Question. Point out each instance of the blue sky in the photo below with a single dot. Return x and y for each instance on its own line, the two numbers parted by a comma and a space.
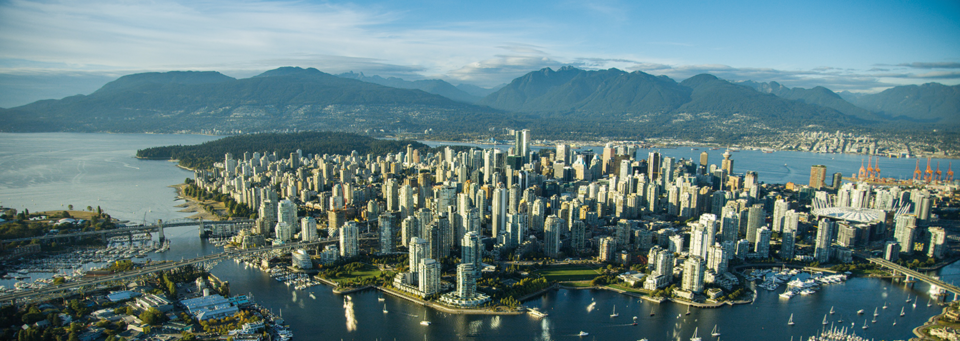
51, 48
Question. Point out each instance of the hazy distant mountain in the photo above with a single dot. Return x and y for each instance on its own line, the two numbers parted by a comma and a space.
572, 89
851, 97
817, 95
478, 91
283, 98
931, 102
433, 86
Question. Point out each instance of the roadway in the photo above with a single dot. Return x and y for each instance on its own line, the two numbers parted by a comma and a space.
915, 274
138, 228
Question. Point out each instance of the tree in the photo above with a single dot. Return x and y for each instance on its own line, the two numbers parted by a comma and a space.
152, 316
70, 207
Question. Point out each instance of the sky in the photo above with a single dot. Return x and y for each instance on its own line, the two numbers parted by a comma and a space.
58, 48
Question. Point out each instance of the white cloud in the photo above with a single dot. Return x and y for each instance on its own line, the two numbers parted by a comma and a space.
245, 37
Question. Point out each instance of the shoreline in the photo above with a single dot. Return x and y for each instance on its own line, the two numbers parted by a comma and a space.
191, 205
659, 300
692, 144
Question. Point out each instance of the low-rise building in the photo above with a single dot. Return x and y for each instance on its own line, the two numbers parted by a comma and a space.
209, 307
148, 301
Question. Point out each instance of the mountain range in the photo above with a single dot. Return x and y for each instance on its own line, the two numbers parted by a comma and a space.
463, 92
568, 102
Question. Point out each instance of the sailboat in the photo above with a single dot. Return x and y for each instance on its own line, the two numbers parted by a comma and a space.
614, 314
865, 326
688, 310
908, 298
875, 313
901, 312
651, 311
790, 322
914, 304
928, 302
715, 332
380, 299
831, 310
695, 337
824, 320
884, 304
384, 308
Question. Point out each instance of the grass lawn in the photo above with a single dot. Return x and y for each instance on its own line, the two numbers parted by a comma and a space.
579, 284
367, 271
627, 288
569, 273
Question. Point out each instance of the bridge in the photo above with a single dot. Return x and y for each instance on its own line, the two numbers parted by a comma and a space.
137, 229
52, 291
915, 275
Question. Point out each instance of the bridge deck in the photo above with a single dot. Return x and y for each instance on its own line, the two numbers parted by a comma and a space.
915, 274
